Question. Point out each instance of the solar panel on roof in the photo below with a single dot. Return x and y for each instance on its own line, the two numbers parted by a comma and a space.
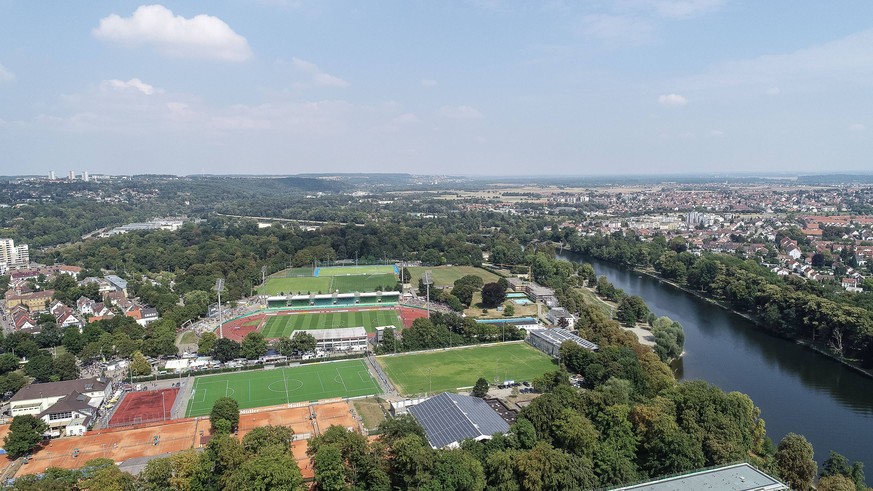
448, 418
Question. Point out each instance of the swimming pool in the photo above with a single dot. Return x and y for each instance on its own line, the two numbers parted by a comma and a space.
521, 301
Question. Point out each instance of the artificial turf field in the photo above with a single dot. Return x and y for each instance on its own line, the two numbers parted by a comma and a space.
329, 283
279, 326
293, 286
451, 369
355, 270
283, 385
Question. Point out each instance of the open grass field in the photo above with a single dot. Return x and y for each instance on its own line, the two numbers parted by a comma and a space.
364, 283
355, 270
369, 282
283, 385
303, 285
293, 273
446, 275
279, 326
438, 371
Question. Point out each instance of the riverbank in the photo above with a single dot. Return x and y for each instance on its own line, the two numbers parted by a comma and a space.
812, 347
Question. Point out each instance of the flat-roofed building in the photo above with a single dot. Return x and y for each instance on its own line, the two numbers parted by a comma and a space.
735, 477
341, 339
549, 341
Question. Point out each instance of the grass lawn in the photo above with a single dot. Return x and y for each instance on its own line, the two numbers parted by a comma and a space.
475, 309
370, 411
283, 325
446, 275
356, 270
591, 298
451, 369
293, 272
275, 286
283, 385
365, 283
189, 337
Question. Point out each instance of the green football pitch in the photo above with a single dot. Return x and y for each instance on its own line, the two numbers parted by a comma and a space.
293, 286
329, 283
355, 270
279, 326
283, 385
437, 371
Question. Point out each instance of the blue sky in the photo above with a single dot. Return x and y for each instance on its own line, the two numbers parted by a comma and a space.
456, 87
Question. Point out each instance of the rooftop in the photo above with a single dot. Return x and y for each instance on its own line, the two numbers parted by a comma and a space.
343, 332
735, 477
55, 389
449, 418
558, 336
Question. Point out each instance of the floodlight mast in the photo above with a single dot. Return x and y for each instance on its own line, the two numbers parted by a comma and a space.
427, 280
219, 286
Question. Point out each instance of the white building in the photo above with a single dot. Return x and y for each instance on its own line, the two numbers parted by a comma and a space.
549, 341
343, 339
68, 407
12, 256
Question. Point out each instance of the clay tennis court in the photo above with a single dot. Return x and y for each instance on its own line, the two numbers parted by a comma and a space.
296, 418
117, 444
121, 444
337, 413
144, 407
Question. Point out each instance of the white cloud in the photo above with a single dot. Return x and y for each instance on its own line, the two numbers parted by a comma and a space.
672, 100
716, 133
459, 112
5, 75
132, 84
429, 82
201, 36
617, 29
319, 77
857, 127
683, 9
847, 61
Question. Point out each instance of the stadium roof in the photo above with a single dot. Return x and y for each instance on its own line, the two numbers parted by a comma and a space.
558, 335
735, 477
449, 418
339, 333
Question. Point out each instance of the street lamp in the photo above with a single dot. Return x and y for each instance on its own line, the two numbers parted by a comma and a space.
427, 280
219, 286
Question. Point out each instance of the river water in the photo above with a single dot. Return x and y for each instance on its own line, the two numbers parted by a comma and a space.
798, 390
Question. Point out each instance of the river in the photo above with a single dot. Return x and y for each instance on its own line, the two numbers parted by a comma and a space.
798, 390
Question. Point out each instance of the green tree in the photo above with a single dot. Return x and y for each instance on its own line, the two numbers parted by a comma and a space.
139, 365
225, 408
480, 390
64, 366
837, 482
8, 363
303, 342
270, 470
330, 472
206, 343
39, 366
25, 433
493, 295
226, 350
263, 437
253, 346
794, 462
509, 311
631, 309
104, 475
